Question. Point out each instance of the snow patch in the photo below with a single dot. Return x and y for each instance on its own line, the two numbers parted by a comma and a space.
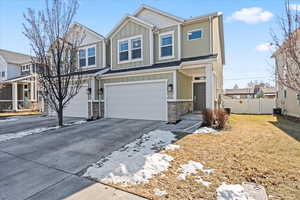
9, 120
172, 147
190, 168
76, 123
201, 181
10, 136
159, 192
232, 192
205, 130
136, 162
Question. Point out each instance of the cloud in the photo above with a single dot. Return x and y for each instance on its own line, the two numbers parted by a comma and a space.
251, 15
294, 7
265, 47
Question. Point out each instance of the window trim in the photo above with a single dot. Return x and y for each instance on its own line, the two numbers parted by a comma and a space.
129, 39
87, 56
199, 29
26, 68
159, 45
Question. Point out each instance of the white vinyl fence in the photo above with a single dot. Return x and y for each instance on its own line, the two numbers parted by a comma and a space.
250, 106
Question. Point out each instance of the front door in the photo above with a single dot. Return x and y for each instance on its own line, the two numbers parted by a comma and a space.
199, 96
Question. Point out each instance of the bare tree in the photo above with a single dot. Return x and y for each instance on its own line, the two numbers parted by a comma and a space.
55, 43
287, 43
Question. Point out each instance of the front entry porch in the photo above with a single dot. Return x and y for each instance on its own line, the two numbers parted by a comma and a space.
19, 94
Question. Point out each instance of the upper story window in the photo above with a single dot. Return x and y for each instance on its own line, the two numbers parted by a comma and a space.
166, 41
3, 74
130, 49
25, 68
195, 34
87, 57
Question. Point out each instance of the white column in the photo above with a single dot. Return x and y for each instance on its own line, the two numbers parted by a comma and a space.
31, 90
15, 96
209, 87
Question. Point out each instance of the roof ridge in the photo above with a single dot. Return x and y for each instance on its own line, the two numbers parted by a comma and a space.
9, 51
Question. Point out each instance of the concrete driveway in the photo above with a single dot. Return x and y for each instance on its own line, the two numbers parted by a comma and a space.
49, 165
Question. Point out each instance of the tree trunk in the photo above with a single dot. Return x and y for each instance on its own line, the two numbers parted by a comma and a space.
60, 115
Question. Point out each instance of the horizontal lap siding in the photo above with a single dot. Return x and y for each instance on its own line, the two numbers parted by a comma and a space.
166, 76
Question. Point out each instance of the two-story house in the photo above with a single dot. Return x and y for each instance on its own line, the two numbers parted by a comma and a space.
152, 65
18, 80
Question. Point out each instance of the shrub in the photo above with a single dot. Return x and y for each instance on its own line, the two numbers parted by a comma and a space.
208, 117
215, 118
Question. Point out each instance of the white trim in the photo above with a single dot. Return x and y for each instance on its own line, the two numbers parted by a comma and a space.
139, 73
129, 40
198, 29
165, 81
163, 13
85, 48
123, 22
179, 41
159, 45
151, 43
175, 85
210, 35
103, 54
193, 64
111, 53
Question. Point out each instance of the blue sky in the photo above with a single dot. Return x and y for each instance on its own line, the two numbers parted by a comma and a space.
247, 25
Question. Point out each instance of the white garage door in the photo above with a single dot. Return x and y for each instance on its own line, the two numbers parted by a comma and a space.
78, 105
136, 100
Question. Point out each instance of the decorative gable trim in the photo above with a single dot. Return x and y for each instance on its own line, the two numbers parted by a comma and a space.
163, 13
124, 21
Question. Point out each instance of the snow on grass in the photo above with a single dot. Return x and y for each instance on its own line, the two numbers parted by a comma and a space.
201, 181
9, 136
136, 162
172, 147
8, 120
206, 130
159, 192
190, 168
232, 192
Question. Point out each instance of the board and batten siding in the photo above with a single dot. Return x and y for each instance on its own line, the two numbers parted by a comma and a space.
131, 29
157, 45
198, 47
162, 76
99, 54
184, 86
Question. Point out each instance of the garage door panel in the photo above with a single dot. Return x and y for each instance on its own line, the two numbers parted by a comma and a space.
78, 105
137, 101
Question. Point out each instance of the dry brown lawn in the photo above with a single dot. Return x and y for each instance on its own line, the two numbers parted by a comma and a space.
257, 148
10, 114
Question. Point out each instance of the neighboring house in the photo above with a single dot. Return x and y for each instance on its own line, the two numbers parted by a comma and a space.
18, 80
153, 66
240, 93
287, 99
250, 93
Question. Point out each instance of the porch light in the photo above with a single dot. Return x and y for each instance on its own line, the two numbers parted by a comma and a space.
170, 87
101, 91
89, 90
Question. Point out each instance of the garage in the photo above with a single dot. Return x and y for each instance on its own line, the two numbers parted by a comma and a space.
136, 100
78, 105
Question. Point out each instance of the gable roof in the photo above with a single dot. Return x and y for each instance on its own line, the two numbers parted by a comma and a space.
179, 19
88, 29
14, 57
125, 18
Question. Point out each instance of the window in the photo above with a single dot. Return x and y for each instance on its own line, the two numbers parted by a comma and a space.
25, 68
196, 34
87, 57
166, 45
123, 51
130, 49
136, 51
3, 74
284, 93
91, 56
82, 58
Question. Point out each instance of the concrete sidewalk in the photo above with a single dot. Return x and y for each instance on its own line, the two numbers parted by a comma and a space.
99, 191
